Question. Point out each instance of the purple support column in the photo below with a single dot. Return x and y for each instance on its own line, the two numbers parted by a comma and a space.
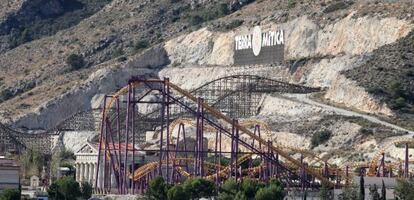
326, 169
346, 174
162, 130
105, 161
406, 175
219, 158
100, 143
176, 152
233, 132
197, 142
215, 157
302, 173
236, 151
126, 139
133, 140
277, 165
118, 130
202, 138
167, 127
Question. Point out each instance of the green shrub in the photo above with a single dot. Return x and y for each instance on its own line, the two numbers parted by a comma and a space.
291, 3
65, 188
10, 194
196, 20
75, 61
157, 189
234, 24
336, 6
177, 193
86, 190
6, 95
142, 44
366, 131
272, 192
199, 188
320, 137
404, 189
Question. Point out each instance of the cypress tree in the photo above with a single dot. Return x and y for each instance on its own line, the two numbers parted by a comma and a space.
383, 191
361, 188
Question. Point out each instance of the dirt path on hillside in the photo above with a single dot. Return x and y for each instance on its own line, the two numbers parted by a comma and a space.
304, 98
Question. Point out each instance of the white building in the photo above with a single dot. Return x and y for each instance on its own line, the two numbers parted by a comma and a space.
87, 162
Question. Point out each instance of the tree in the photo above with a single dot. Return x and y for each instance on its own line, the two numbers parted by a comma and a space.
157, 189
383, 191
10, 194
75, 61
199, 188
228, 190
325, 192
349, 192
272, 192
361, 187
65, 188
404, 189
373, 192
86, 190
177, 193
249, 187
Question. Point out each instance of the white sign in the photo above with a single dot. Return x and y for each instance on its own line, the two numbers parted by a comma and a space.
257, 40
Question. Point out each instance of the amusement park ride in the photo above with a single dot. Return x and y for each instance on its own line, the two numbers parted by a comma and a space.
251, 153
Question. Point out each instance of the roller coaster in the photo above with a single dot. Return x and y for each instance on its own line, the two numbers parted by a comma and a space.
177, 162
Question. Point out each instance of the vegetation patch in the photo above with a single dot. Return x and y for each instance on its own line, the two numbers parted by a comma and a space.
75, 61
39, 18
320, 137
388, 76
337, 6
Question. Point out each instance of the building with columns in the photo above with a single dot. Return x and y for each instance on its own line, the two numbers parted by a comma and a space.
86, 163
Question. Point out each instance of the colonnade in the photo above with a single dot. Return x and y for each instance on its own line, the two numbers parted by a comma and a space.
86, 172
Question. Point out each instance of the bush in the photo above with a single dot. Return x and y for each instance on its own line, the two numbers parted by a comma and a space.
234, 24
6, 95
249, 188
157, 189
65, 188
177, 193
196, 20
320, 138
199, 188
366, 131
10, 194
404, 189
291, 3
86, 190
142, 44
272, 192
336, 6
75, 61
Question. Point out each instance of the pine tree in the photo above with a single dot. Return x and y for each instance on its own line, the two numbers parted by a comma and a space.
383, 191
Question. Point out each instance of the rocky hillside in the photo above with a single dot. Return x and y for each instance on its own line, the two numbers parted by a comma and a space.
360, 52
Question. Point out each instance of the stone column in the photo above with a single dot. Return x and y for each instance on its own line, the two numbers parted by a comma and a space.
82, 172
86, 172
91, 172
77, 171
